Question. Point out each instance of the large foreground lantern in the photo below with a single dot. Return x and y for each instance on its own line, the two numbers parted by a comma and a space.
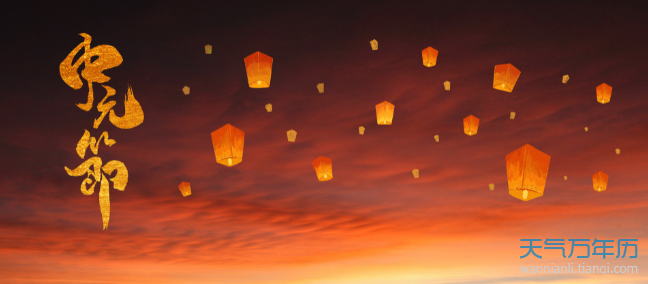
385, 113
603, 93
228, 145
600, 181
506, 75
471, 124
527, 169
259, 68
185, 188
323, 168
430, 56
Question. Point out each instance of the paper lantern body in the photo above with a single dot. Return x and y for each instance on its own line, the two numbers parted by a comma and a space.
374, 44
415, 172
603, 93
618, 151
320, 87
208, 49
185, 90
436, 138
185, 188
269, 107
361, 130
506, 75
471, 124
259, 69
586, 129
430, 56
600, 181
292, 135
446, 85
323, 168
565, 177
512, 115
385, 113
565, 79
526, 170
228, 145
491, 186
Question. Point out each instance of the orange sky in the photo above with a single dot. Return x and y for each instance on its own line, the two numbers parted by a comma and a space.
268, 220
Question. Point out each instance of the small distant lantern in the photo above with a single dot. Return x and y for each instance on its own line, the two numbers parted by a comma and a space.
618, 151
269, 107
430, 56
526, 170
586, 129
565, 79
185, 90
415, 172
512, 115
436, 138
323, 168
292, 135
491, 186
208, 49
600, 181
320, 87
385, 113
446, 85
603, 93
259, 70
565, 177
506, 75
471, 124
185, 188
228, 145
361, 130
374, 44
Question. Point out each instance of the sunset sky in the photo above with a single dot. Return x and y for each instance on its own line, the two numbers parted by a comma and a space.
268, 220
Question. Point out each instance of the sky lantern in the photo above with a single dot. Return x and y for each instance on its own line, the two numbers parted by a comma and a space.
586, 128
430, 56
320, 88
446, 85
323, 168
374, 44
228, 145
259, 68
436, 138
565, 79
491, 186
618, 151
600, 181
527, 169
385, 113
269, 107
471, 124
292, 135
512, 115
603, 93
185, 188
361, 129
185, 90
208, 49
505, 77
565, 177
415, 172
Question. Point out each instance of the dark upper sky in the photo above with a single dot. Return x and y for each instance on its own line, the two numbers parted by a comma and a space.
269, 217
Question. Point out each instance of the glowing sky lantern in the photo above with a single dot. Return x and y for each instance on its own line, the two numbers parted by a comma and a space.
208, 49
320, 88
565, 177
323, 168
374, 44
269, 107
603, 93
618, 151
259, 68
361, 129
491, 186
185, 188
228, 145
415, 172
586, 129
430, 56
436, 138
600, 181
512, 115
506, 75
186, 90
565, 79
385, 113
471, 124
292, 135
446, 85
527, 169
